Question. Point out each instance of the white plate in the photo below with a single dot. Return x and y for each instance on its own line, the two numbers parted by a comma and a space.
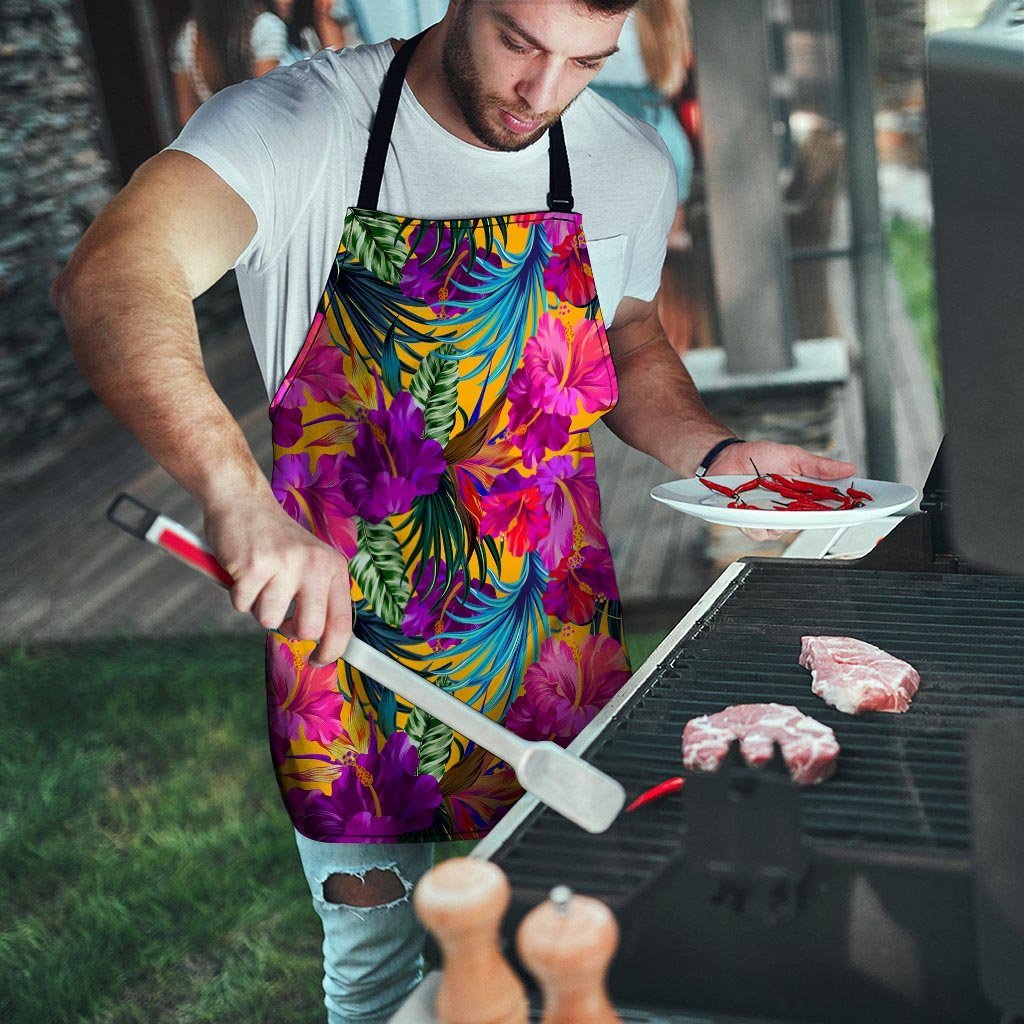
693, 498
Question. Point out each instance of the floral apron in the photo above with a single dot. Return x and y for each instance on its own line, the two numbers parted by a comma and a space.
434, 429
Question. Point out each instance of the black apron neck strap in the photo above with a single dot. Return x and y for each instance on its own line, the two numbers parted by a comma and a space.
560, 194
560, 197
383, 123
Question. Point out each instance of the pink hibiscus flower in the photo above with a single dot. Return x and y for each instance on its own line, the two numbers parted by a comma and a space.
566, 687
301, 696
565, 376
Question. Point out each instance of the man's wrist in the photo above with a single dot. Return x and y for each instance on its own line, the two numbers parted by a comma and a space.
231, 483
712, 454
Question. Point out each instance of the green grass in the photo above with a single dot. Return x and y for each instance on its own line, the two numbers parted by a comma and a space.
148, 872
910, 248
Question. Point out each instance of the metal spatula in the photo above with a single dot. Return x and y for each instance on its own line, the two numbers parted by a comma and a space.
566, 784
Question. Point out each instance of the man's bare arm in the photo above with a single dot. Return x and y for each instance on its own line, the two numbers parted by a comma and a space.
660, 411
126, 301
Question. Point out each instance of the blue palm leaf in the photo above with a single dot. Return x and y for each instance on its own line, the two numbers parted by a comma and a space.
372, 306
501, 631
504, 304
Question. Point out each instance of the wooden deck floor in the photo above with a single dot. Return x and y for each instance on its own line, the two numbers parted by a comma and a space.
70, 574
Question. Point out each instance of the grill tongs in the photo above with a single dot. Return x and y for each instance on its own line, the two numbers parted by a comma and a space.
572, 787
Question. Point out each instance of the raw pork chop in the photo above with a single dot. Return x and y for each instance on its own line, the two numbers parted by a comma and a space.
809, 748
855, 677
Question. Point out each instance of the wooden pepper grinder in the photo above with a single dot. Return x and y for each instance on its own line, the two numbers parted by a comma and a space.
567, 943
462, 902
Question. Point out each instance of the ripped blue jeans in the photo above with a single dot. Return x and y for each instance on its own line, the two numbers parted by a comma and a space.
373, 955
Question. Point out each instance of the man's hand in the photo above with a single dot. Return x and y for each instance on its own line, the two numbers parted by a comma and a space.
771, 457
274, 561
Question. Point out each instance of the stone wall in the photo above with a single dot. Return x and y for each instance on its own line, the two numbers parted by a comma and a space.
54, 178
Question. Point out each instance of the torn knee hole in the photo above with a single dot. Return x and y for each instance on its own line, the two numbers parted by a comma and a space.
375, 888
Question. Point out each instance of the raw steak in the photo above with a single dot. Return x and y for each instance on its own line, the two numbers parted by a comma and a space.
855, 677
809, 748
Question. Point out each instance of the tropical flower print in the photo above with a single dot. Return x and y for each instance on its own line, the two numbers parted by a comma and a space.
580, 580
484, 801
569, 274
435, 429
323, 376
438, 269
438, 603
392, 463
557, 381
571, 500
302, 697
311, 495
514, 511
379, 796
566, 687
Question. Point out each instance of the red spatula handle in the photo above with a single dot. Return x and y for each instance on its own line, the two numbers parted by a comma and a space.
147, 524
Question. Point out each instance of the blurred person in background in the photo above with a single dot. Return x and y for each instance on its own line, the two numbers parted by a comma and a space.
313, 25
223, 42
647, 75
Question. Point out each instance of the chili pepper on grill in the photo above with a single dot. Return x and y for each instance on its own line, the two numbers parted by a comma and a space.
657, 792
720, 488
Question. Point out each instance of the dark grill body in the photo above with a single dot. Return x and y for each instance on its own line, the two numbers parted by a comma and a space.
847, 901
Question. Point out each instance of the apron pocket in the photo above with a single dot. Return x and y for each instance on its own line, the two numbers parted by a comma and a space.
608, 261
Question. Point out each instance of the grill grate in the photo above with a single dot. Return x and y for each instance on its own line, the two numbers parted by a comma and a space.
902, 780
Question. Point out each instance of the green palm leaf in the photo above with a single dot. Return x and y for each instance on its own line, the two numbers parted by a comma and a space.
435, 386
436, 530
390, 367
433, 739
374, 239
379, 570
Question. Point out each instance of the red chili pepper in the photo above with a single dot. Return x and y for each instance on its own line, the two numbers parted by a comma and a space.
806, 504
808, 487
750, 485
862, 495
657, 792
720, 488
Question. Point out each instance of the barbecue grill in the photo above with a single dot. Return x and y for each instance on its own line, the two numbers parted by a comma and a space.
847, 901
893, 892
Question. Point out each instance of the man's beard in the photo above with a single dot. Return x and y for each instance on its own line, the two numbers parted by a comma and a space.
463, 78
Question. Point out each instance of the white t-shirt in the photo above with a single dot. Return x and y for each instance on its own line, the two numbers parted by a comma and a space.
292, 144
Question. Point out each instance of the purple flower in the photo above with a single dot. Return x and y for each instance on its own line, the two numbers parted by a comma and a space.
434, 603
377, 799
430, 276
287, 428
392, 462
313, 498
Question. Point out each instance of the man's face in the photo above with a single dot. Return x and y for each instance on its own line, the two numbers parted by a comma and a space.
513, 66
